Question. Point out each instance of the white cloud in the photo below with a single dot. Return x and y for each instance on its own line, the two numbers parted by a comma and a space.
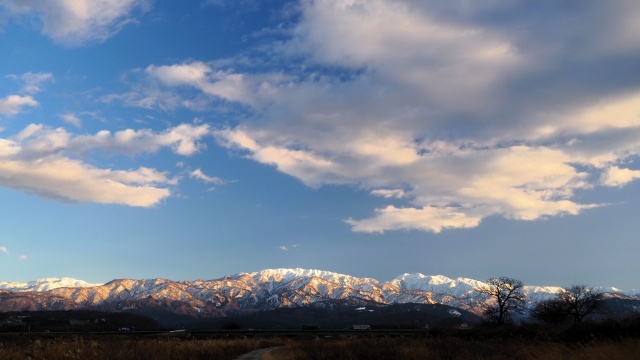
39, 160
161, 87
305, 165
183, 139
397, 38
469, 118
615, 176
22, 257
77, 22
605, 114
444, 106
199, 175
13, 104
71, 180
426, 219
290, 247
72, 119
449, 189
8, 148
32, 82
4, 250
387, 194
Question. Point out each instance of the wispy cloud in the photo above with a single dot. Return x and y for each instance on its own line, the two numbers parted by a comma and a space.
199, 175
32, 82
290, 247
386, 193
72, 119
161, 87
77, 22
4, 250
22, 257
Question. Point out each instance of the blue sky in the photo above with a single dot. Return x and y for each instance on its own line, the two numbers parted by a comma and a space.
190, 140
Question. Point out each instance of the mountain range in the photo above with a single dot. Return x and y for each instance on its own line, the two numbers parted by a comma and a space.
248, 293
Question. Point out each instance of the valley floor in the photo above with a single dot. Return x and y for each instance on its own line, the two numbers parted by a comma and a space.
454, 349
20, 347
56, 347
616, 339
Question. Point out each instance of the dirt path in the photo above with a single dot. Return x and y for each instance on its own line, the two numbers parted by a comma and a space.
256, 355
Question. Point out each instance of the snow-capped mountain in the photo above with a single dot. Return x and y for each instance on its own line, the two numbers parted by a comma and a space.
250, 292
44, 284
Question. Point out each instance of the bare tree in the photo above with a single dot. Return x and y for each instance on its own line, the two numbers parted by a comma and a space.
507, 297
552, 311
581, 301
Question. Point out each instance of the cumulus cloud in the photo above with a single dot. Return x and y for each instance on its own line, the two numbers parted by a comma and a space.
13, 104
183, 139
427, 219
46, 162
615, 176
62, 178
77, 22
431, 105
4, 250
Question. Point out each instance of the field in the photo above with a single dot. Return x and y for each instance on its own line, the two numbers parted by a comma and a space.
54, 347
611, 340
117, 348
453, 349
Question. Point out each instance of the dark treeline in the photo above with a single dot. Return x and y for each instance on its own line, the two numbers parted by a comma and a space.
74, 321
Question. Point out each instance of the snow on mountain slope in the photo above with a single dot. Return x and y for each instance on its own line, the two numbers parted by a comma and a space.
45, 284
465, 288
437, 283
257, 291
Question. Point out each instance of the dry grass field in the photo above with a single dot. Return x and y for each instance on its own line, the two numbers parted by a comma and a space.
611, 340
126, 348
453, 349
117, 348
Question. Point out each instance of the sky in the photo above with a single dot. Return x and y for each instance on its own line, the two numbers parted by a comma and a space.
194, 139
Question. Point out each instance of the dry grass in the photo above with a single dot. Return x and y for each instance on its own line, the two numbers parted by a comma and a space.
453, 349
612, 340
121, 348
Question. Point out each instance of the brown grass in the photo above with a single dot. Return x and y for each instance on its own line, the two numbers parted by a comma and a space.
611, 340
121, 348
454, 349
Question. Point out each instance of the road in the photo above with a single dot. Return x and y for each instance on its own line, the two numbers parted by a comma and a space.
255, 355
